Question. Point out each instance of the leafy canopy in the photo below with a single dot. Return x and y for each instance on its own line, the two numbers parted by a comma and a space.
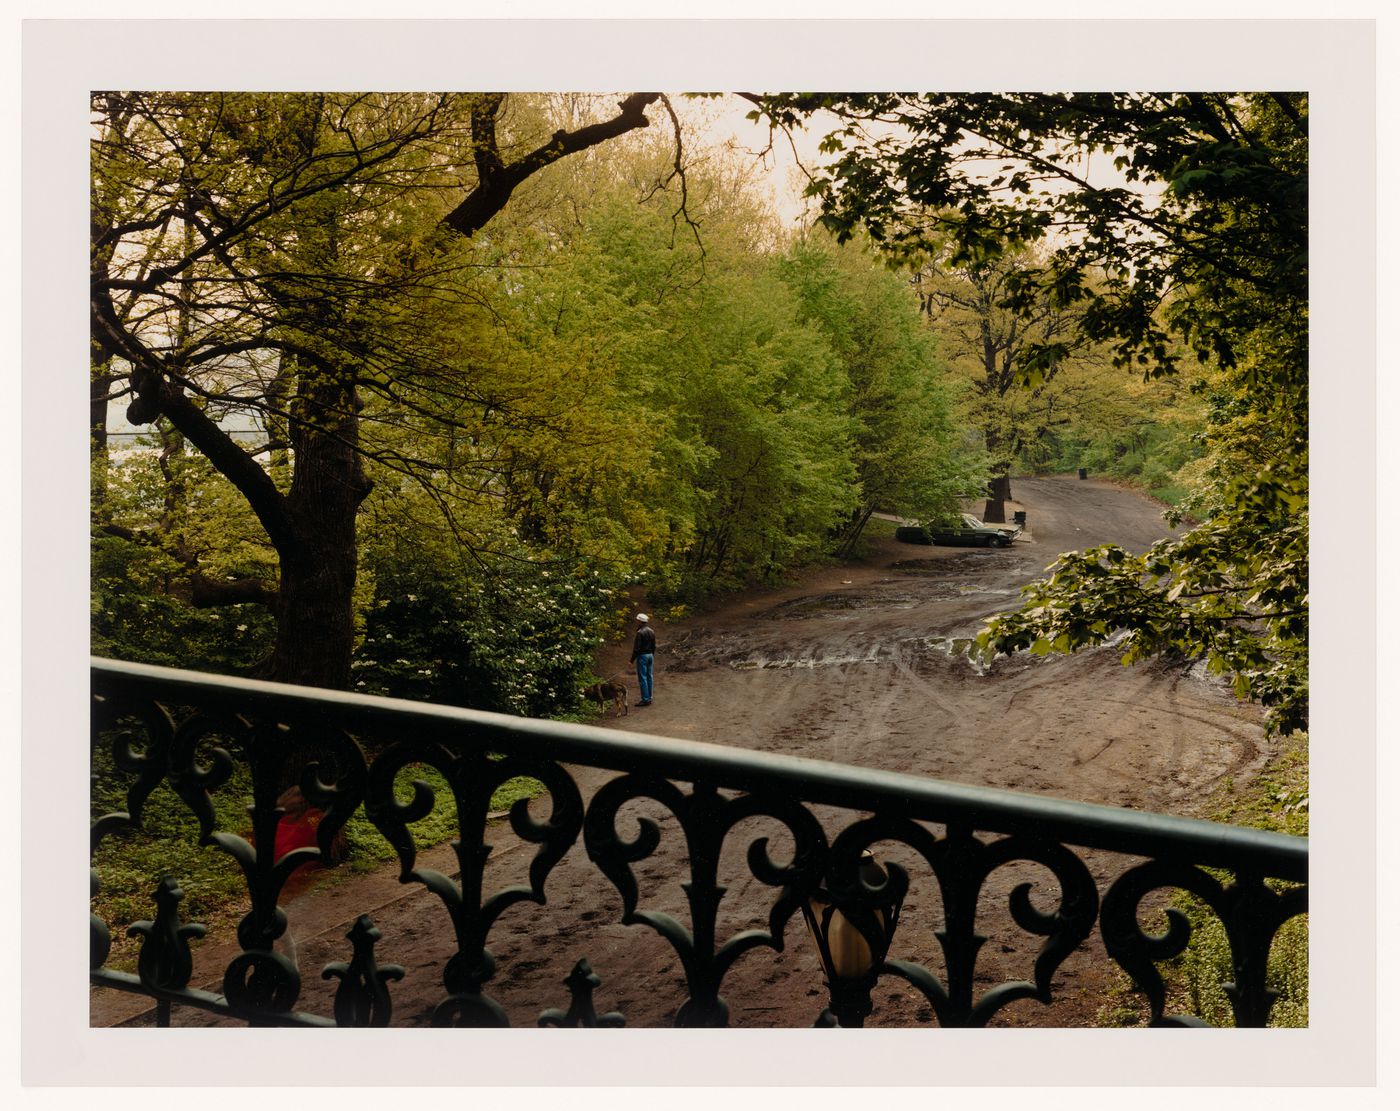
1196, 244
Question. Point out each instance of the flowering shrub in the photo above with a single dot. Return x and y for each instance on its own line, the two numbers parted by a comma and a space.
520, 641
136, 616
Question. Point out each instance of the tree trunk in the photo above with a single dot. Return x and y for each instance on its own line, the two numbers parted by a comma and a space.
999, 487
279, 464
102, 379
998, 492
315, 599
859, 519
315, 626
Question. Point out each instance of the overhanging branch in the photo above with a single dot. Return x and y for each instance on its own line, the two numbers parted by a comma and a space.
496, 181
205, 592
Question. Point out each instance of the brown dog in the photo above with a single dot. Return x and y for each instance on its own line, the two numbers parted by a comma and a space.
614, 688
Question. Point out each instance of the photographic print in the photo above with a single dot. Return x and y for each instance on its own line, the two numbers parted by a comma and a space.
759, 559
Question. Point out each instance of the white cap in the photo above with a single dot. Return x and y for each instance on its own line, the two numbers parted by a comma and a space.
642, 618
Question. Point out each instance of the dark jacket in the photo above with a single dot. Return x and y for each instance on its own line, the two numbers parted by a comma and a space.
645, 642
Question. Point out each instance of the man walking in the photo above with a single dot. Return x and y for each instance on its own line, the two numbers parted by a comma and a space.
643, 649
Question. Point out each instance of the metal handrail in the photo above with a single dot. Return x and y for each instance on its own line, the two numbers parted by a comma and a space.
993, 810
1182, 846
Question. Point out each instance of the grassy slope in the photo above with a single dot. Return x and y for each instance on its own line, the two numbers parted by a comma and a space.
1276, 800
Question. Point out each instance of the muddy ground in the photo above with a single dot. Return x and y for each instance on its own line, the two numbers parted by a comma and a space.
858, 664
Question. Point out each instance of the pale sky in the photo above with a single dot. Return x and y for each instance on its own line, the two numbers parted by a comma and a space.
723, 119
718, 121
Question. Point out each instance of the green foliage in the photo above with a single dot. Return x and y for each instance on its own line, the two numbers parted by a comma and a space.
135, 617
1206, 965
905, 453
746, 403
1202, 251
515, 637
1147, 433
165, 520
770, 407
1149, 455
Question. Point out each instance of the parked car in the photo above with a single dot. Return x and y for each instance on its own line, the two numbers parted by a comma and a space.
969, 532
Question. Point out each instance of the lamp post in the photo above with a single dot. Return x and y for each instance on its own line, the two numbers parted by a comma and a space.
853, 923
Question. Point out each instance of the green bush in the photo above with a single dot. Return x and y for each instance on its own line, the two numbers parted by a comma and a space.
1171, 493
136, 617
1148, 456
519, 639
1205, 965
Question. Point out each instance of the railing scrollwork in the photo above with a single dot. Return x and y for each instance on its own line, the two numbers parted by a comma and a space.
838, 849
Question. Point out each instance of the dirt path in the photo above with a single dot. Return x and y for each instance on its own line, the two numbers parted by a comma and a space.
857, 664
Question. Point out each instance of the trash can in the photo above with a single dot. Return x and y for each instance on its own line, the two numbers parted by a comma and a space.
1019, 517
1083, 472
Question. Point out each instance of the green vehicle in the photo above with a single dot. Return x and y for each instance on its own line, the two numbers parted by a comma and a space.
965, 532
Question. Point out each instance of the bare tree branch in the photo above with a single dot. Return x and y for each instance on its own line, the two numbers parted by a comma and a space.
495, 186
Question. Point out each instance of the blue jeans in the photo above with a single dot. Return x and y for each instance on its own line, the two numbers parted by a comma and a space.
644, 676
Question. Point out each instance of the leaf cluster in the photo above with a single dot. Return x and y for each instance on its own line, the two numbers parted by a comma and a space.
514, 637
1229, 595
1198, 247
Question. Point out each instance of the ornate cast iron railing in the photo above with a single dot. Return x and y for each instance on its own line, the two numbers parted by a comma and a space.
347, 751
